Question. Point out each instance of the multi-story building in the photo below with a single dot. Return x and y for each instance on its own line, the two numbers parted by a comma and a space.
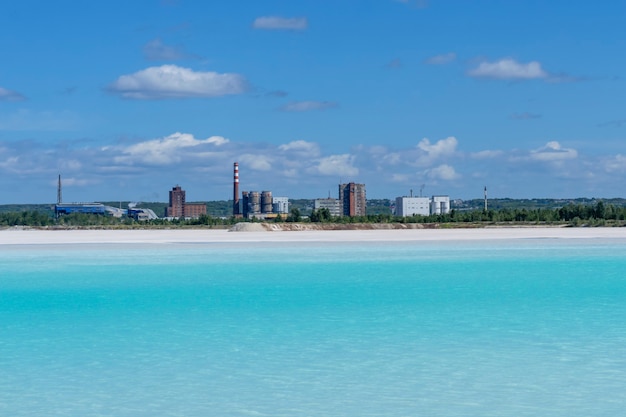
423, 206
178, 207
352, 197
409, 206
333, 206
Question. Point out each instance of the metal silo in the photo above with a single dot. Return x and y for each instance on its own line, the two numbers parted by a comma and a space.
266, 202
255, 202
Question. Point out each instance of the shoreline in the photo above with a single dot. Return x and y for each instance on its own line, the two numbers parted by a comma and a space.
26, 236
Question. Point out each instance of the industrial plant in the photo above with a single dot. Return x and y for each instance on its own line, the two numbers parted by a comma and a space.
351, 201
132, 211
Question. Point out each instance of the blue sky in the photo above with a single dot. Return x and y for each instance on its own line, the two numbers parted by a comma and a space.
127, 99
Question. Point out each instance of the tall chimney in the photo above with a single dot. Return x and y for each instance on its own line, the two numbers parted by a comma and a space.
236, 190
485, 198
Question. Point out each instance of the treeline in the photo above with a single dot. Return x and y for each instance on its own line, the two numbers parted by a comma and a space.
598, 214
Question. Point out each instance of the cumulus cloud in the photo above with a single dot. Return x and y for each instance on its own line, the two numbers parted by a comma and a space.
280, 23
301, 106
486, 154
156, 50
301, 147
441, 59
442, 172
165, 151
171, 81
434, 151
508, 69
616, 164
401, 178
257, 162
336, 165
553, 152
10, 95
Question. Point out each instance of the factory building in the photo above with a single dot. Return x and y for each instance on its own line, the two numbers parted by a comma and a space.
178, 207
280, 205
255, 204
409, 206
333, 206
422, 206
86, 208
439, 204
352, 197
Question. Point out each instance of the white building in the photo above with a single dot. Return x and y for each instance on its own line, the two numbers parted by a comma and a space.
280, 205
332, 204
409, 206
422, 206
440, 204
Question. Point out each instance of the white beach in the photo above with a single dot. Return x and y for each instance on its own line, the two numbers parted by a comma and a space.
14, 236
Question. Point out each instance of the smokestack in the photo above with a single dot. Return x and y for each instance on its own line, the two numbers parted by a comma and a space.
485, 198
59, 191
236, 190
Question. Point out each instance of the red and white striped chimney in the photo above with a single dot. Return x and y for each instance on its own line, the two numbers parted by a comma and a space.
236, 190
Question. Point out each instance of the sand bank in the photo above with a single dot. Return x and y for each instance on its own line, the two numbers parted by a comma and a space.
47, 237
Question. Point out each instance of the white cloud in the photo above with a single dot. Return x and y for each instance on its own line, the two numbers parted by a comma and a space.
301, 106
402, 178
156, 50
257, 162
171, 81
508, 69
301, 146
280, 23
616, 164
9, 95
487, 154
164, 151
337, 165
442, 172
552, 152
434, 151
441, 59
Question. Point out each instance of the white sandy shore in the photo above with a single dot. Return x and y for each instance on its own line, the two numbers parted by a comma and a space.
48, 237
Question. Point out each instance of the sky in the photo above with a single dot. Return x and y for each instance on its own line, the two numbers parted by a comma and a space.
126, 100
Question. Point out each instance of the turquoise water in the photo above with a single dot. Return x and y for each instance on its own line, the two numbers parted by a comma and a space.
517, 328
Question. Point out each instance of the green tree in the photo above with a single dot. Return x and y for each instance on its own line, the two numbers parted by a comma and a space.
294, 215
